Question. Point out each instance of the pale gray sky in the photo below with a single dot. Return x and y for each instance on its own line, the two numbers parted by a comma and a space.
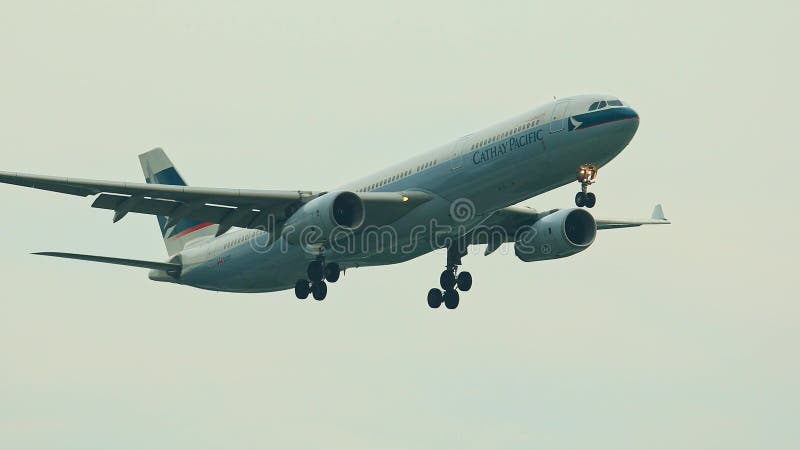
663, 338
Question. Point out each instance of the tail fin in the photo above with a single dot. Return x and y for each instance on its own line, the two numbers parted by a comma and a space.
158, 169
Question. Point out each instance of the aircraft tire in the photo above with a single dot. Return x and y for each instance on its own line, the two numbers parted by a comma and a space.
434, 298
591, 199
464, 281
450, 298
301, 289
580, 199
315, 271
332, 273
447, 280
319, 290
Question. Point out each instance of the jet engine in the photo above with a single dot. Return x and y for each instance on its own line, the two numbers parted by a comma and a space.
563, 233
329, 216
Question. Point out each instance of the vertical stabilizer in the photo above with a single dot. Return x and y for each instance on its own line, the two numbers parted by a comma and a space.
158, 169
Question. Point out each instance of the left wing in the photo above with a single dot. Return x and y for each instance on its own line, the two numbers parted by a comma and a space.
228, 207
502, 225
656, 218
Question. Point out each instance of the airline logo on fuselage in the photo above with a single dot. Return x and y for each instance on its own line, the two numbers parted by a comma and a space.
506, 146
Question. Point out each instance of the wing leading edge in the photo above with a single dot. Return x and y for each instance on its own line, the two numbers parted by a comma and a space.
257, 209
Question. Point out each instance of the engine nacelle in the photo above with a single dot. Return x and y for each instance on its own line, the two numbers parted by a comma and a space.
326, 217
563, 233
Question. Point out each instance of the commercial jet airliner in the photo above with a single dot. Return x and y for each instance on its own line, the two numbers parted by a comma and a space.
460, 194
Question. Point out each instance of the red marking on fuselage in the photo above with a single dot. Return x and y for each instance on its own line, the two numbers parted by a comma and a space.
197, 227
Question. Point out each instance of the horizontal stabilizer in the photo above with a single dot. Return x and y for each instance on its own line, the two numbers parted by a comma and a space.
166, 267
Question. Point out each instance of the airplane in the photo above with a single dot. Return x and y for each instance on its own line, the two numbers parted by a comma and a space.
460, 194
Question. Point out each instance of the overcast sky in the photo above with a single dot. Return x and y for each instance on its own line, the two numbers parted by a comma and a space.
679, 337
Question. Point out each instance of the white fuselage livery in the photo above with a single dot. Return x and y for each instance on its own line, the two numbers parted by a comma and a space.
482, 172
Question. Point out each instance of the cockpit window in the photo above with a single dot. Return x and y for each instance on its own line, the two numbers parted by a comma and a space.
604, 103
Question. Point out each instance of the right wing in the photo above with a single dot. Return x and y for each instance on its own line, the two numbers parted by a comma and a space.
260, 209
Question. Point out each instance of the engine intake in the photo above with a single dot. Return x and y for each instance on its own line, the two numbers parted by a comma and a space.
325, 218
563, 233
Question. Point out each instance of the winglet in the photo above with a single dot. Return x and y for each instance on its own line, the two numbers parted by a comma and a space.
658, 213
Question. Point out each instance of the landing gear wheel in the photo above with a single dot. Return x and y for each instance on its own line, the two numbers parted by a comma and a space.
580, 199
450, 298
434, 298
591, 199
301, 289
332, 272
319, 290
464, 281
315, 271
447, 280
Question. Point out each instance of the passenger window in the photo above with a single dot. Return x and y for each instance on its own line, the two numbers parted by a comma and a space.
594, 106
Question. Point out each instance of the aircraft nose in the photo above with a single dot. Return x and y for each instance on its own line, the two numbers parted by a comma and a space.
630, 113
630, 117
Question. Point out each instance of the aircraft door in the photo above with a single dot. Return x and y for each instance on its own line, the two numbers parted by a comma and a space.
558, 117
459, 148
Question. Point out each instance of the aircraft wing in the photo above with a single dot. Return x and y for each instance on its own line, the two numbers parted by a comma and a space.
502, 226
259, 209
511, 218
166, 267
656, 218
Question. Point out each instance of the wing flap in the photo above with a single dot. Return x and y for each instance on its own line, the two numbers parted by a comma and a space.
232, 217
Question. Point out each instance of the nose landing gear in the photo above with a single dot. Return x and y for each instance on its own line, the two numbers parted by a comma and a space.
587, 175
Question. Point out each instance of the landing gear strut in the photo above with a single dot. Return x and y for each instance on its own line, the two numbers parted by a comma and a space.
587, 175
451, 279
318, 272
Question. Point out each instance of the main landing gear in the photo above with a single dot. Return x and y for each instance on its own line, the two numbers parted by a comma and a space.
587, 174
318, 272
450, 280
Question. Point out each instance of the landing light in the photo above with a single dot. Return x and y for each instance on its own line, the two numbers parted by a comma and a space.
405, 199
